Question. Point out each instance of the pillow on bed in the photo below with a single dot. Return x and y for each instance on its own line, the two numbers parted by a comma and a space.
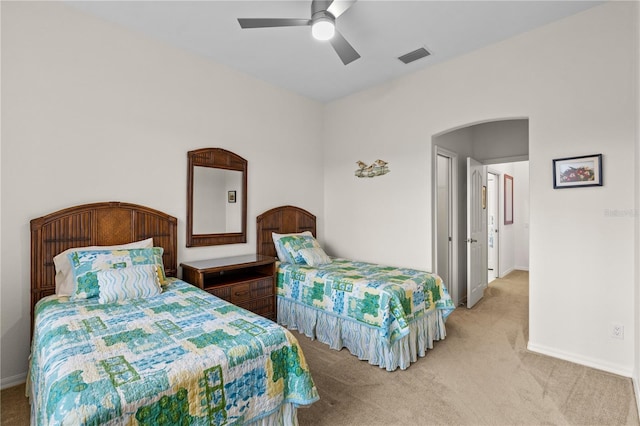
294, 244
282, 254
135, 282
86, 264
64, 276
315, 256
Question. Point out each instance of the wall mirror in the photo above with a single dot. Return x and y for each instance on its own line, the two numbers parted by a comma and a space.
216, 198
508, 199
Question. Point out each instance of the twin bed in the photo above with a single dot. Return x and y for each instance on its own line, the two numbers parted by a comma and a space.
129, 343
168, 353
385, 315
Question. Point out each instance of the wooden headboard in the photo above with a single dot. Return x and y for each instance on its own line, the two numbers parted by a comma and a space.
282, 220
97, 224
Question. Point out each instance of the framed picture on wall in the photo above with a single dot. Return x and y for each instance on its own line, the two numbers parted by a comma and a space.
508, 199
573, 172
231, 196
484, 197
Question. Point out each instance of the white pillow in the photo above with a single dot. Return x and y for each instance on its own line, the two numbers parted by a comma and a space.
135, 282
64, 276
315, 256
282, 256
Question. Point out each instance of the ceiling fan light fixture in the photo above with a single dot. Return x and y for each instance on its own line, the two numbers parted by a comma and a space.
323, 28
322, 22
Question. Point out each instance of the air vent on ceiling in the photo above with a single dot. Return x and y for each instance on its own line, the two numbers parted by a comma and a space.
415, 55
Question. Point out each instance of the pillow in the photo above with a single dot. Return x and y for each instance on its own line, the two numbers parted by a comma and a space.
64, 277
86, 264
135, 282
282, 254
315, 256
293, 244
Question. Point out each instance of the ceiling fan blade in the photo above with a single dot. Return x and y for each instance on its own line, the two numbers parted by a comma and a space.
338, 7
272, 22
342, 47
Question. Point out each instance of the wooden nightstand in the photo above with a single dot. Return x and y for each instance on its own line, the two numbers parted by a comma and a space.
246, 281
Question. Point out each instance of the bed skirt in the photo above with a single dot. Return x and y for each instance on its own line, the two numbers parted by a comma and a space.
286, 415
361, 340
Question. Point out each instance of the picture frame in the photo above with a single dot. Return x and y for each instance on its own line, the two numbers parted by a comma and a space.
484, 197
231, 196
574, 172
508, 199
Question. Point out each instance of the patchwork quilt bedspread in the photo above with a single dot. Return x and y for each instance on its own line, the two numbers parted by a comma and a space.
384, 297
182, 357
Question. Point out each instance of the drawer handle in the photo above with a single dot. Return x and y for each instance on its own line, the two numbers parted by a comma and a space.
242, 293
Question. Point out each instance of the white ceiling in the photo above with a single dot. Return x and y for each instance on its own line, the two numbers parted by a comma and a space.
290, 58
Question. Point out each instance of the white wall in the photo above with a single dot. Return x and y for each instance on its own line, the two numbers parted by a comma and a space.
521, 215
91, 112
574, 80
514, 238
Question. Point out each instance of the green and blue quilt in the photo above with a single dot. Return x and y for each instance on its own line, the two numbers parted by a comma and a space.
181, 357
384, 297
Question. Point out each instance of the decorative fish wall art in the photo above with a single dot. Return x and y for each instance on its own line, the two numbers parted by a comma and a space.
378, 168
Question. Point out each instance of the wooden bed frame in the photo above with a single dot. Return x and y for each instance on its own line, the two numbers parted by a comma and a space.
97, 224
281, 220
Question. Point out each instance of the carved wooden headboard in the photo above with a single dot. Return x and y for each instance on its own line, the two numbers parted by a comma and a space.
282, 220
97, 224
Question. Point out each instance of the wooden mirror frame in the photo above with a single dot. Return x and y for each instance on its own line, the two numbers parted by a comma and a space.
217, 158
508, 199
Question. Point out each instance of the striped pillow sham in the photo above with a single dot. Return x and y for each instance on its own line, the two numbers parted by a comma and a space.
134, 282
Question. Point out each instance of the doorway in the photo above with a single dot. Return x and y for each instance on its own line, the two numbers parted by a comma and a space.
494, 144
445, 234
493, 240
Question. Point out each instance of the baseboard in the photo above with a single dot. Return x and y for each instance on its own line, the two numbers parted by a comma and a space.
7, 382
515, 268
507, 272
578, 359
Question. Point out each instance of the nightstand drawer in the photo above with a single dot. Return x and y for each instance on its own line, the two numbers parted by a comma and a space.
240, 293
265, 307
252, 290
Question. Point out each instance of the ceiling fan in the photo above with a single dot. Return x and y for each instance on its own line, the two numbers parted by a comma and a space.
322, 22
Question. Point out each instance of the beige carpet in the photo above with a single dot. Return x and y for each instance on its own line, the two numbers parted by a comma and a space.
481, 374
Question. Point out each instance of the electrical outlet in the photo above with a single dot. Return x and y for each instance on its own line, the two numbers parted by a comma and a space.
617, 331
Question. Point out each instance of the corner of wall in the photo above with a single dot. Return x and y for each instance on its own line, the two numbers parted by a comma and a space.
636, 372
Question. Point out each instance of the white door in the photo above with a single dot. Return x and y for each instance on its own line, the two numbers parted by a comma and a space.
476, 231
445, 215
443, 220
